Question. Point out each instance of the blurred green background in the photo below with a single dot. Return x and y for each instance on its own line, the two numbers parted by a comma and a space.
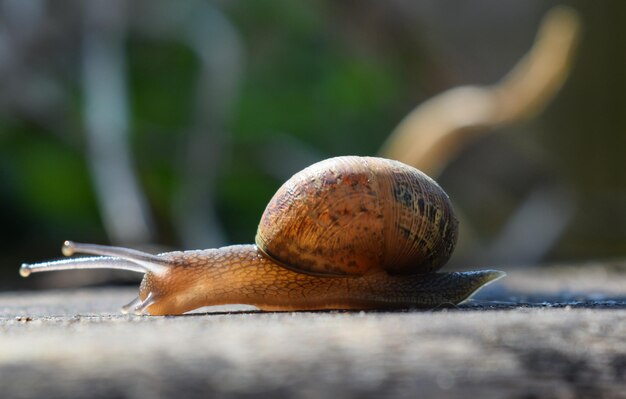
161, 125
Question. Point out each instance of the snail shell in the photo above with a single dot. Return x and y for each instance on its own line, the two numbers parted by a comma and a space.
355, 215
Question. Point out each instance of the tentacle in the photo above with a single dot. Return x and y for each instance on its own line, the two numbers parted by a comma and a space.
141, 308
148, 261
112, 258
99, 262
130, 305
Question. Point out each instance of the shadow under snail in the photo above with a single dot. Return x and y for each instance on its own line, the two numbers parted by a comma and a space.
345, 233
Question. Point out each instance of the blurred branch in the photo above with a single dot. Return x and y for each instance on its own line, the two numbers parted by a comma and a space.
216, 43
122, 203
432, 134
29, 54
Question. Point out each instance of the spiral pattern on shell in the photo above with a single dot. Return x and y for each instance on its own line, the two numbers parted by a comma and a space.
356, 215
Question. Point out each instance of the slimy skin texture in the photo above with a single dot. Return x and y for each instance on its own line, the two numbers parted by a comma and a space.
241, 274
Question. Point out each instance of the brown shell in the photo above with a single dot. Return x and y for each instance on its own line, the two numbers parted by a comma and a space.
353, 215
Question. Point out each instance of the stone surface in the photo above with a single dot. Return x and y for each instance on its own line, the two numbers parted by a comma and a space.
549, 333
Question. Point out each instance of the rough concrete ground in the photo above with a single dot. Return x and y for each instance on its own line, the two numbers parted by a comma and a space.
544, 333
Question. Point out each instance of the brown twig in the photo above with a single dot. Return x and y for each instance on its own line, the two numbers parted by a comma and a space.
437, 130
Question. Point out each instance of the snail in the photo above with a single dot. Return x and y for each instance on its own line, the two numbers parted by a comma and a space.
345, 233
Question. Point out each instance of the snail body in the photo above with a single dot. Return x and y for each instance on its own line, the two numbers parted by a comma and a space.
344, 233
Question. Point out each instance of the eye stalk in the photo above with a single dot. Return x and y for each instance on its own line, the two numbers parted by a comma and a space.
109, 258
